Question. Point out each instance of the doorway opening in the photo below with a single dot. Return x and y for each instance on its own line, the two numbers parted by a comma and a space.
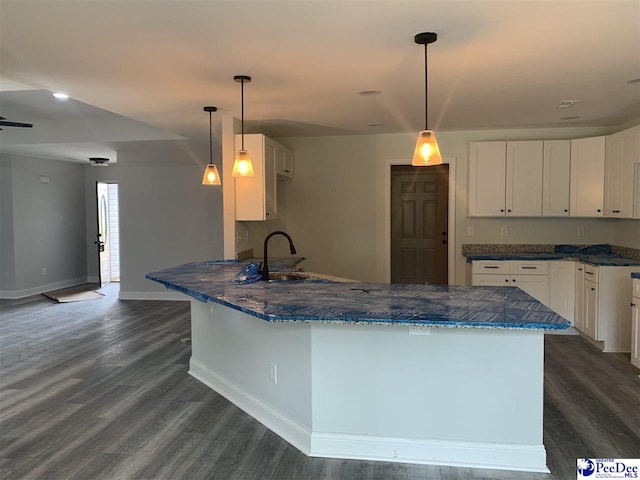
108, 236
420, 224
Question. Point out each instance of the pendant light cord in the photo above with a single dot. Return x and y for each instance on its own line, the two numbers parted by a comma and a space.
210, 141
426, 91
242, 109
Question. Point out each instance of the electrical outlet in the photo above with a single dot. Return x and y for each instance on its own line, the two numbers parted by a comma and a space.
580, 231
471, 231
44, 271
504, 231
419, 330
273, 373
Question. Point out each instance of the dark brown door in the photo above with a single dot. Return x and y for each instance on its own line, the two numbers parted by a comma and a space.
419, 224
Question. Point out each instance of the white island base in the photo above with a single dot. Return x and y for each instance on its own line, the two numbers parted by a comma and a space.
449, 396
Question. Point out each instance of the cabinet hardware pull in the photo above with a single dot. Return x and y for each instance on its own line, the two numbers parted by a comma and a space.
506, 280
513, 280
502, 209
579, 269
566, 210
599, 210
592, 288
287, 171
491, 266
529, 268
588, 273
616, 211
633, 304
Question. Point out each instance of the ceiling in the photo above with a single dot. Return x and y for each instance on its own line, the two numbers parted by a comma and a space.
153, 65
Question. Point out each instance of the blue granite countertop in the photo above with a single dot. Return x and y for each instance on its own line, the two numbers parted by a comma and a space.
600, 260
370, 303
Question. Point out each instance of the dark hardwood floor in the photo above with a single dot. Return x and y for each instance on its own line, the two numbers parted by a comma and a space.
99, 390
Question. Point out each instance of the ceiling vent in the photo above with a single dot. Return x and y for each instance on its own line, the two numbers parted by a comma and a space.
99, 161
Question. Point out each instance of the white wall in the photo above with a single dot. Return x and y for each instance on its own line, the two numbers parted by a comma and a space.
7, 259
335, 206
167, 217
48, 225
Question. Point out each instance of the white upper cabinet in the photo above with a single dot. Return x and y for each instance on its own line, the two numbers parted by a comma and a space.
620, 189
556, 174
256, 196
284, 162
505, 179
487, 173
524, 179
587, 177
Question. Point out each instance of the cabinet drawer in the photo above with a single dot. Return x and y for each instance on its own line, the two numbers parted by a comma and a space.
483, 279
529, 267
591, 273
636, 287
491, 267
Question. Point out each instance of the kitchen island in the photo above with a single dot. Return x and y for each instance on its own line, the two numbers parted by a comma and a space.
409, 373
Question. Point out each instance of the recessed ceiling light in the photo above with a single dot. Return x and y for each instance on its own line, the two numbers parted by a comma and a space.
575, 117
61, 96
370, 93
376, 125
635, 80
567, 103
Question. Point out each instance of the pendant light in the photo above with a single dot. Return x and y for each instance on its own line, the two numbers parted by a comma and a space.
242, 167
211, 175
427, 152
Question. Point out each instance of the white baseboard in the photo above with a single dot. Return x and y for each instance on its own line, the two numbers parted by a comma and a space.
27, 292
168, 295
291, 431
530, 458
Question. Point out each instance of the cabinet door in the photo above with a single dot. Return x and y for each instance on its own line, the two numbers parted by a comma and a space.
622, 151
284, 162
256, 196
535, 285
578, 310
270, 183
591, 309
488, 280
556, 178
562, 288
524, 179
487, 171
636, 191
635, 332
587, 177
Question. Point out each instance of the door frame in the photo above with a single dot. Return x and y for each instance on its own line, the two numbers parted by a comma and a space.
451, 215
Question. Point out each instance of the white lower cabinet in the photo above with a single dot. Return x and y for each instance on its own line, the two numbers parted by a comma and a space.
578, 305
529, 276
602, 305
562, 288
635, 324
594, 298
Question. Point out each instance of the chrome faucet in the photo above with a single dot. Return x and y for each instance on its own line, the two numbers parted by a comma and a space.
265, 266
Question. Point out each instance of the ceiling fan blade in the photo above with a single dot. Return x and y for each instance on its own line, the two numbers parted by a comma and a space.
5, 123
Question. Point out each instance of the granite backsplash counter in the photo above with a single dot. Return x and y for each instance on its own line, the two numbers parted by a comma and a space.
601, 255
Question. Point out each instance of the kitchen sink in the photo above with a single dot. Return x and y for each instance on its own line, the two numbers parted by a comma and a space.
299, 276
289, 276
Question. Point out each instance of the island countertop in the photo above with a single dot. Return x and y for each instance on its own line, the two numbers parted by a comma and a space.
355, 302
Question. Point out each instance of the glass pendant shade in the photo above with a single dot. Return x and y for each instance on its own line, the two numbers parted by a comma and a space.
427, 152
242, 167
211, 175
